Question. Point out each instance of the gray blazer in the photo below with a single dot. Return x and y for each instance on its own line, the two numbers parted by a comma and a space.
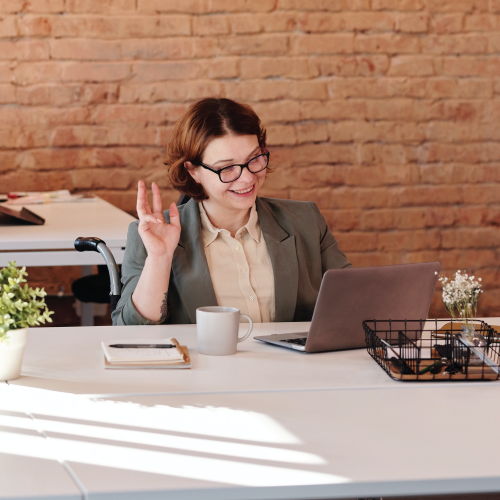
299, 242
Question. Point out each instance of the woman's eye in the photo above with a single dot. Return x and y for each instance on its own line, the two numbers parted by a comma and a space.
258, 160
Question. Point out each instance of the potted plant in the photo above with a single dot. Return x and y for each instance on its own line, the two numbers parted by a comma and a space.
20, 307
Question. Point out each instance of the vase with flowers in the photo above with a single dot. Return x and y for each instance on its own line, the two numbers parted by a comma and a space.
20, 308
460, 296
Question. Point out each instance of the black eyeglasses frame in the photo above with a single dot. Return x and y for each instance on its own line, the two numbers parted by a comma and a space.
244, 165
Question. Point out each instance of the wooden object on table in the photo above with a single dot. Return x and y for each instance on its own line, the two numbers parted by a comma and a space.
10, 217
497, 330
473, 373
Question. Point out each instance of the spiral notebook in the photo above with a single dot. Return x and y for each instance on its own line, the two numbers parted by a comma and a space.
151, 358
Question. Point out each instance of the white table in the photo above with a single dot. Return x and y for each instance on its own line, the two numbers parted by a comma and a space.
36, 475
76, 365
267, 423
52, 243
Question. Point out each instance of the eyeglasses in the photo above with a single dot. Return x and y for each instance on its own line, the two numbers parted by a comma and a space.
233, 172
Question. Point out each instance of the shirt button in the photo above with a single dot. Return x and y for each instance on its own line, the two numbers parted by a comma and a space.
244, 270
236, 248
251, 298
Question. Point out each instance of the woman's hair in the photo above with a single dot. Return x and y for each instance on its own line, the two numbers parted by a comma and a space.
205, 120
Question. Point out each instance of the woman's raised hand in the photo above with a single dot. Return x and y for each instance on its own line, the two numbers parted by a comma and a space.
159, 238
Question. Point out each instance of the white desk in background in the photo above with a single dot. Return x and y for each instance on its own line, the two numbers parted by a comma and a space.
52, 243
267, 423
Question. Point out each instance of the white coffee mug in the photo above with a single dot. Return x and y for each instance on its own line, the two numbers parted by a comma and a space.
217, 328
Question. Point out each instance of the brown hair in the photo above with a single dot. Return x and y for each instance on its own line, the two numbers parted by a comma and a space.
205, 120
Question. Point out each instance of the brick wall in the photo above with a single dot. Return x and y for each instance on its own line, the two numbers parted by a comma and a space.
384, 112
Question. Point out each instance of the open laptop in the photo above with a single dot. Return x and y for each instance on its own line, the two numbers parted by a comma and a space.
347, 297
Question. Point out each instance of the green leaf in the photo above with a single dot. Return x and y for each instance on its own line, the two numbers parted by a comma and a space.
20, 306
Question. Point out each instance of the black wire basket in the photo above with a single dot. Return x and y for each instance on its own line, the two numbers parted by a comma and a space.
411, 350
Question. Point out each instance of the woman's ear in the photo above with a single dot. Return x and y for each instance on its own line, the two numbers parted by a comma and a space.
193, 171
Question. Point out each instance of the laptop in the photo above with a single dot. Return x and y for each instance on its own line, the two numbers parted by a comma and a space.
347, 297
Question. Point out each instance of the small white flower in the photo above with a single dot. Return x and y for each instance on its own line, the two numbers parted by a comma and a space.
461, 294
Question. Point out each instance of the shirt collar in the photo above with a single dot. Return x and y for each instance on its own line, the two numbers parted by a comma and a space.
210, 232
252, 225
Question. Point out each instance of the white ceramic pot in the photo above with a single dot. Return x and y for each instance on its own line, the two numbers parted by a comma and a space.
11, 354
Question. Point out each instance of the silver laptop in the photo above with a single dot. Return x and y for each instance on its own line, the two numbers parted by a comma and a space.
347, 297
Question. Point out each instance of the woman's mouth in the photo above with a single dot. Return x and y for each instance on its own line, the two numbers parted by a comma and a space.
244, 192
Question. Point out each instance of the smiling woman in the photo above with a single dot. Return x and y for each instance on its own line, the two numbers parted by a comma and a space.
226, 246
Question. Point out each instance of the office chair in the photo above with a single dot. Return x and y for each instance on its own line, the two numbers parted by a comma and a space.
104, 287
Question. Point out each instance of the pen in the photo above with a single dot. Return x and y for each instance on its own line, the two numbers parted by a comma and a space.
429, 368
143, 346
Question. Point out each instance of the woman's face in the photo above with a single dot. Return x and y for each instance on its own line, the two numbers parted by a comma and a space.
222, 152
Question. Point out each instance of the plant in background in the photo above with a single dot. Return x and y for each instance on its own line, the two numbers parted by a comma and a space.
20, 306
460, 296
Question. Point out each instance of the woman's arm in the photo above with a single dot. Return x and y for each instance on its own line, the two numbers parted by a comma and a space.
131, 270
160, 241
150, 294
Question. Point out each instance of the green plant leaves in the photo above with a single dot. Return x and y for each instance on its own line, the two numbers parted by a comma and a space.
20, 305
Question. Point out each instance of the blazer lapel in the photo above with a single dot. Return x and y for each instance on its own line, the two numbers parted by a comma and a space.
189, 266
283, 254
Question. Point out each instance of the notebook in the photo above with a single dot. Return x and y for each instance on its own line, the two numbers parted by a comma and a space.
140, 358
347, 297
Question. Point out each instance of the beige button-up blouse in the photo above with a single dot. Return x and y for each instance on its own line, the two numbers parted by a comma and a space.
240, 267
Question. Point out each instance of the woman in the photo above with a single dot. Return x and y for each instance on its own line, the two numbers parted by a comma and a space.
225, 246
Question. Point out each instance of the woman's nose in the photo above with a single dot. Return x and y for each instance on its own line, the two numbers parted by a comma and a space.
246, 176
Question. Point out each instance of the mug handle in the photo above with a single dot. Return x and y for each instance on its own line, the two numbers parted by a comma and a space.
249, 328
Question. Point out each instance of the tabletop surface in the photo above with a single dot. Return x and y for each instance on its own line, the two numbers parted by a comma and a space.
72, 360
266, 423
64, 222
328, 444
35, 470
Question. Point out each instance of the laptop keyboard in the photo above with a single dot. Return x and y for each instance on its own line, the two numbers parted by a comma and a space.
301, 341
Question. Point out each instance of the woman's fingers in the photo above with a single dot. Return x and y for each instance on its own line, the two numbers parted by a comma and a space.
147, 218
143, 207
174, 216
157, 204
156, 217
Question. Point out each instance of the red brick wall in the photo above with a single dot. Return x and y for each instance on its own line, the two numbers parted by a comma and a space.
384, 112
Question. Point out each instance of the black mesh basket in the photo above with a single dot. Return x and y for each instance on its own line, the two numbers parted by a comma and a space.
410, 350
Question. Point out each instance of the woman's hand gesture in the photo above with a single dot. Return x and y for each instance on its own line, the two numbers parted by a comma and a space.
159, 238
